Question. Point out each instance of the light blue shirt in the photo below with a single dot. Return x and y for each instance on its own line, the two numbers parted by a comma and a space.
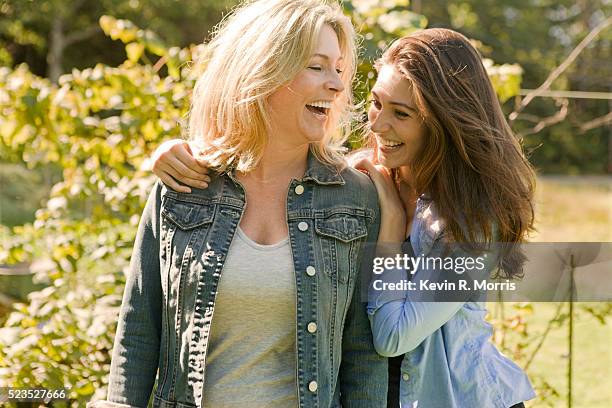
448, 358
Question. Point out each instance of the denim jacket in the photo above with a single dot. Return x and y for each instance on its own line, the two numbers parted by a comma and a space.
448, 359
169, 299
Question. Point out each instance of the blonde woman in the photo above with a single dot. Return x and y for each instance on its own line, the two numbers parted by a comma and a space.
246, 293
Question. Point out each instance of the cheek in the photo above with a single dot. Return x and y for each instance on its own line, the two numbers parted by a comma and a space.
303, 84
413, 134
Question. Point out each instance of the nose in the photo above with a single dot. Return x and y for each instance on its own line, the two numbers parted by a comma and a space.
378, 121
335, 83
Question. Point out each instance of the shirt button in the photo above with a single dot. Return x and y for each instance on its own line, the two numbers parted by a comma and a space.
299, 189
303, 226
312, 327
405, 377
310, 271
312, 386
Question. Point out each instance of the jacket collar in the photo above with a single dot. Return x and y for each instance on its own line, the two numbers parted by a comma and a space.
316, 171
321, 173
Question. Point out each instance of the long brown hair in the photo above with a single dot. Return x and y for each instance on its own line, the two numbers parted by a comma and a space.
471, 165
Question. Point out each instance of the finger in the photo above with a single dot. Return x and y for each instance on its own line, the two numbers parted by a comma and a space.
197, 183
170, 171
170, 182
188, 148
366, 164
374, 174
204, 165
375, 155
386, 173
185, 155
383, 182
183, 170
165, 169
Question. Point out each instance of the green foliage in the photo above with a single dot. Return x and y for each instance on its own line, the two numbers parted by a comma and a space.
379, 23
99, 125
25, 27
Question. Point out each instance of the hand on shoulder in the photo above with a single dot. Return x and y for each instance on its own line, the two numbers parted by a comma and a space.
173, 162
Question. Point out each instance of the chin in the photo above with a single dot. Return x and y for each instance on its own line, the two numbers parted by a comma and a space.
392, 161
315, 136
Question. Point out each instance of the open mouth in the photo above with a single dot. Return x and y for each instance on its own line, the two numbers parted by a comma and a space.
319, 109
389, 145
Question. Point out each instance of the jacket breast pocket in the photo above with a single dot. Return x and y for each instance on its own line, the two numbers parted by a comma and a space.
184, 224
340, 236
187, 215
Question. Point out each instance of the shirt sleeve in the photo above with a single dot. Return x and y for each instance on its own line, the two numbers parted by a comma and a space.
405, 308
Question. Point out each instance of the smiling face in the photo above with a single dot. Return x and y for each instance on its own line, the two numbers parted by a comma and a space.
299, 111
394, 120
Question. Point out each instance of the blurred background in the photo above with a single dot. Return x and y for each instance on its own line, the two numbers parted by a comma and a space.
88, 89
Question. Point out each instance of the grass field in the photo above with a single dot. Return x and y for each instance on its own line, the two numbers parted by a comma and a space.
571, 210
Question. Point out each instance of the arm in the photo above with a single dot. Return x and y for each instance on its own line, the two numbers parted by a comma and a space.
401, 320
174, 161
363, 373
137, 341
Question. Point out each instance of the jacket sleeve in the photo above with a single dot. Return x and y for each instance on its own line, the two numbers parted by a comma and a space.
137, 341
363, 376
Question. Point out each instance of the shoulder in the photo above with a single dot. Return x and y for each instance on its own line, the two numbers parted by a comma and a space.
428, 226
360, 186
357, 179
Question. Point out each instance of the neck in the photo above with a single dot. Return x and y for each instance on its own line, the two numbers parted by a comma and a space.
406, 176
407, 192
279, 163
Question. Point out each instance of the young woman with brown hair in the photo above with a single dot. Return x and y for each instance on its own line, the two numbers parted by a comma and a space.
452, 180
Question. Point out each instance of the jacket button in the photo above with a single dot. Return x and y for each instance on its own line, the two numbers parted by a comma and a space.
299, 189
312, 386
303, 226
310, 271
405, 377
312, 327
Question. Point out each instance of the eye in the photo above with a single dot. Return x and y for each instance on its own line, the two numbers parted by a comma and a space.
315, 68
401, 115
375, 103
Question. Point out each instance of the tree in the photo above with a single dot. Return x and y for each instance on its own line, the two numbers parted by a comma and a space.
50, 34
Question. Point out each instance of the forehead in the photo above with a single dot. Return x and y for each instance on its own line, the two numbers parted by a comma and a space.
391, 84
327, 44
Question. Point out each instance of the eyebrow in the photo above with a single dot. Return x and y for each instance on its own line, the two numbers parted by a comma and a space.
398, 103
325, 57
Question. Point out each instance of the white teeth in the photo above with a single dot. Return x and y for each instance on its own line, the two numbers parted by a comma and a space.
388, 143
321, 104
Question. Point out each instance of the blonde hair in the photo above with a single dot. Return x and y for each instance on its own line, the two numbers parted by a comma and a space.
261, 46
